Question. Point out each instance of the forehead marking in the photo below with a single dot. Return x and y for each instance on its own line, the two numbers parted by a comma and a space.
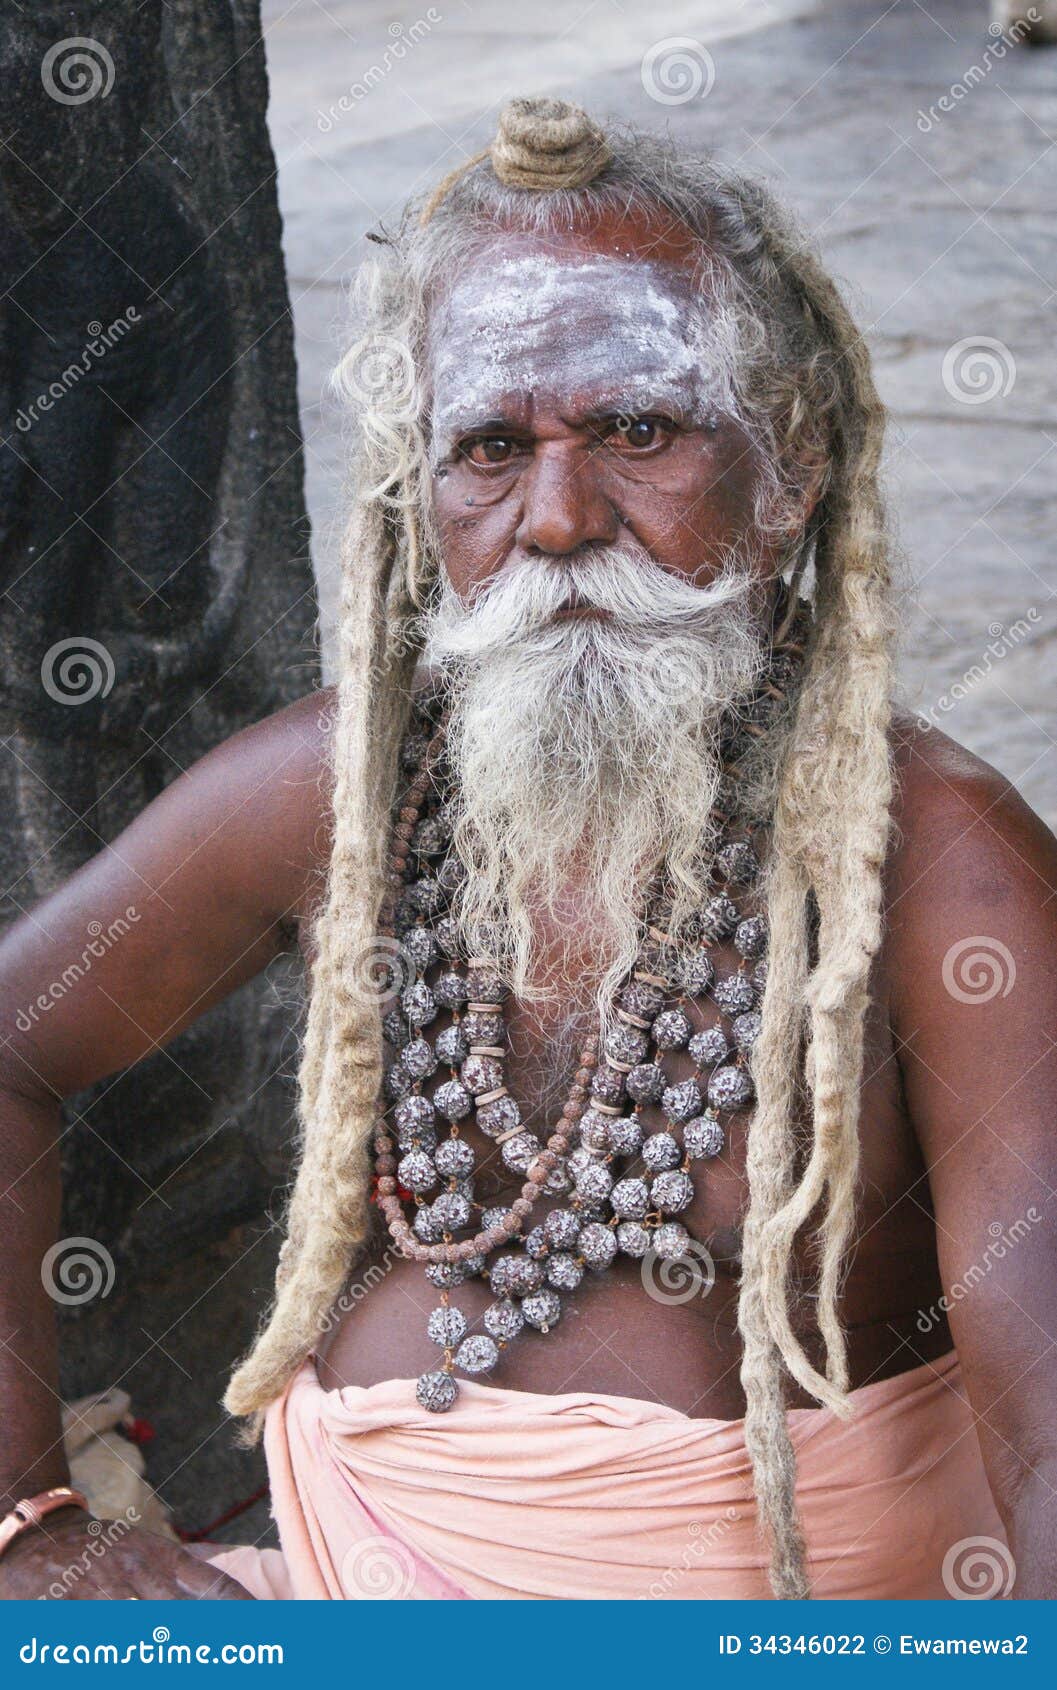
621, 329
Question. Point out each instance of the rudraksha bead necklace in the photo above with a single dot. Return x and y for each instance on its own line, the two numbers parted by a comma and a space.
613, 1186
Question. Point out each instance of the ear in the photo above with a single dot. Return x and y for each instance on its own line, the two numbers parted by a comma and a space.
808, 466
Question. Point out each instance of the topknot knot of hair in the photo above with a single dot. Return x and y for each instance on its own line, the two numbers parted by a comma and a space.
543, 143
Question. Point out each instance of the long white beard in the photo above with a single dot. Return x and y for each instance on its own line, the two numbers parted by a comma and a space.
586, 754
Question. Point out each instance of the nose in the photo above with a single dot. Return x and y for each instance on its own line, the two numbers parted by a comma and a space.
564, 504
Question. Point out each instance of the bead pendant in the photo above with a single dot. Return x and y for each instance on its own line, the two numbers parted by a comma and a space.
436, 1391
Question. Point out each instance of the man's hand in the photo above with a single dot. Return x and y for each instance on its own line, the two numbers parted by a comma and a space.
68, 1564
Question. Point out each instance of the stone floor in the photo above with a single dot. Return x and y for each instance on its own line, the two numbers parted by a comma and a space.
940, 226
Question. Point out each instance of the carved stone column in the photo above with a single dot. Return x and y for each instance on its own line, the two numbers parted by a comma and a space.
157, 595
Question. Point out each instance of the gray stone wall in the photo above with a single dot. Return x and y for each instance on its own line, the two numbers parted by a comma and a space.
157, 596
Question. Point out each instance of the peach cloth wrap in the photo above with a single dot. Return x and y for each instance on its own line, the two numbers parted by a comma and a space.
514, 1494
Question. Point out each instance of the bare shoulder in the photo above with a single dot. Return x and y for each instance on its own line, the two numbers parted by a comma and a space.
969, 857
954, 812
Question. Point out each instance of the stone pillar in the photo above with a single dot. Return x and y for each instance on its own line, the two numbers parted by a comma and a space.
157, 595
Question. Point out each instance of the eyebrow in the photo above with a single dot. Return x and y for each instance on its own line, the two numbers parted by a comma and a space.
674, 399
460, 421
495, 424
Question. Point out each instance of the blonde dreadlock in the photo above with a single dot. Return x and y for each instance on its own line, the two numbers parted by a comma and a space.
803, 382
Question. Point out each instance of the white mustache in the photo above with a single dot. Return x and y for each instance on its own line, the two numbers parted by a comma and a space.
588, 738
624, 584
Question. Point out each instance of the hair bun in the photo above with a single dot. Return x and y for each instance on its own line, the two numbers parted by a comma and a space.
543, 143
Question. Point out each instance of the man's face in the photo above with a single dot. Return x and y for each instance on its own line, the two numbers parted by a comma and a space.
580, 398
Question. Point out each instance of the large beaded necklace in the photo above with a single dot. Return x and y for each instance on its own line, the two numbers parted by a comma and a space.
619, 1187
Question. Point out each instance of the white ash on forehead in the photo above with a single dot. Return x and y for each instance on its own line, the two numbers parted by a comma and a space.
630, 332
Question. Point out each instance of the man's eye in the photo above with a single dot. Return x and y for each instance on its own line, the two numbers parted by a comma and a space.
489, 449
637, 433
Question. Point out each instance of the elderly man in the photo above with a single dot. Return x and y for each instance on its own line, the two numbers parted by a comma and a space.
654, 1119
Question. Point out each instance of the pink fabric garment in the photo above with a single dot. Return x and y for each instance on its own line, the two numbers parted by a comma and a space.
515, 1494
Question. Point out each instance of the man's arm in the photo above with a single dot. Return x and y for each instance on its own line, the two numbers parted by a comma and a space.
973, 946
196, 896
